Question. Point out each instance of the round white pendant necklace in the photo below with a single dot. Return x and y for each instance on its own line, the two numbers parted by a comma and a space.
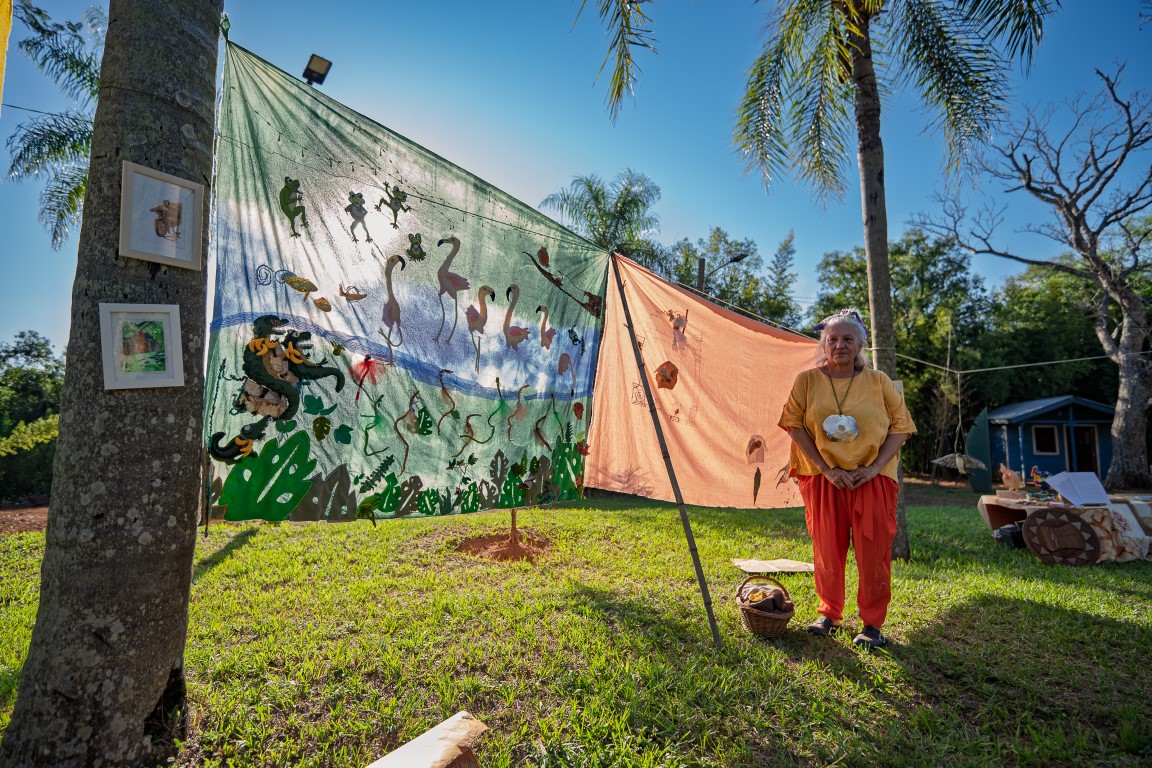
838, 427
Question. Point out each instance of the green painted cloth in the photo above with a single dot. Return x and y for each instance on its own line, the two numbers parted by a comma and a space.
391, 335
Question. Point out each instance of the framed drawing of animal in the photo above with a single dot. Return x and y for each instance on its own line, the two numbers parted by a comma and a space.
161, 217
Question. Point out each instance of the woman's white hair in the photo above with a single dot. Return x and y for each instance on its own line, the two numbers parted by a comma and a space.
843, 317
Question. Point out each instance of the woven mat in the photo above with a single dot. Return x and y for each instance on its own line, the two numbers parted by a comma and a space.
772, 566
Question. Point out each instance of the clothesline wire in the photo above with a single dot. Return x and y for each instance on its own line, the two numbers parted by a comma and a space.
946, 368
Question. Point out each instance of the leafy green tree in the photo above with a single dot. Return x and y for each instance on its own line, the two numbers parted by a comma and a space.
55, 146
616, 215
1041, 316
735, 274
780, 285
1088, 164
31, 376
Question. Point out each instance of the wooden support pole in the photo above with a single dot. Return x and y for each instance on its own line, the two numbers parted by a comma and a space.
667, 458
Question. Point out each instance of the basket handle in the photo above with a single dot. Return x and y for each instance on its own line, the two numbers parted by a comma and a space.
762, 577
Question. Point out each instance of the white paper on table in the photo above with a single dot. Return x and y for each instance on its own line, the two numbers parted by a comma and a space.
1079, 488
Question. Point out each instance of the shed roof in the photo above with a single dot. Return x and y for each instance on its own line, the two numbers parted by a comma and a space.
1031, 409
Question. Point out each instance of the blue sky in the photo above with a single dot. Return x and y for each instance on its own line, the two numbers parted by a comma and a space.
508, 91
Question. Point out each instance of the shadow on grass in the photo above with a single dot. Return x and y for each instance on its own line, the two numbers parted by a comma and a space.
680, 642
222, 554
1038, 684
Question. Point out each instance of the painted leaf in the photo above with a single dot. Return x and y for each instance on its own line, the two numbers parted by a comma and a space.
410, 496
342, 434
498, 468
424, 422
468, 497
313, 405
386, 502
285, 426
321, 426
756, 485
489, 495
511, 494
268, 485
330, 498
428, 502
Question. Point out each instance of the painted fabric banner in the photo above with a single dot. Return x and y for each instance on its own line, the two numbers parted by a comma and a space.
719, 380
391, 335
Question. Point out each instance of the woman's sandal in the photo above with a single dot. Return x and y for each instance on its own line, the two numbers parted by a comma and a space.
823, 626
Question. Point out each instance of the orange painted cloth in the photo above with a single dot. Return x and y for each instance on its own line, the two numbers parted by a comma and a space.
870, 398
719, 380
869, 513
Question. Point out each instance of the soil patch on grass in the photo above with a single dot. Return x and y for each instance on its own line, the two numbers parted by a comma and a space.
23, 520
500, 546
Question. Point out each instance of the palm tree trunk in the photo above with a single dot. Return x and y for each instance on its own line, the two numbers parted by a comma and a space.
870, 156
104, 679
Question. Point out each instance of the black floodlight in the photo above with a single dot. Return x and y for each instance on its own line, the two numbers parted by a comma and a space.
317, 70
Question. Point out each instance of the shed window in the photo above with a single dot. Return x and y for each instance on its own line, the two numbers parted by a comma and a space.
1044, 440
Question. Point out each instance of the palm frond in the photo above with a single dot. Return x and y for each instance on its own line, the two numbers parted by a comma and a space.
629, 27
43, 143
62, 202
954, 69
1017, 25
820, 108
607, 214
794, 109
62, 53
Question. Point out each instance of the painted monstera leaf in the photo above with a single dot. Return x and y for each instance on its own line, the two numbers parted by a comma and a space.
268, 485
330, 498
410, 496
386, 502
468, 497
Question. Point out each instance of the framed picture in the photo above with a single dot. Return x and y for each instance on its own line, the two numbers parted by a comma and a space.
160, 217
141, 346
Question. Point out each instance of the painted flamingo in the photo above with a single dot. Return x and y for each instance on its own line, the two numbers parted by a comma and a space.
391, 315
368, 369
513, 334
452, 283
478, 318
546, 334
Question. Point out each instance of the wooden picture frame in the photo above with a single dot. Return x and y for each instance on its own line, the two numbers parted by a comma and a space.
141, 346
161, 217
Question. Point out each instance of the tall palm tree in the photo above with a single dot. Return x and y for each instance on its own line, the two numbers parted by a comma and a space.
103, 683
817, 66
55, 146
615, 216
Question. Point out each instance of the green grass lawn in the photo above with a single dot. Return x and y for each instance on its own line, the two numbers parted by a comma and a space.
329, 645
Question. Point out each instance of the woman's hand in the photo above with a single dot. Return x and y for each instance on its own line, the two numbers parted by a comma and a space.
841, 478
864, 473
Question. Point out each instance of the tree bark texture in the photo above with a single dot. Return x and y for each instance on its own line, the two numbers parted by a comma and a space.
103, 683
1129, 469
874, 207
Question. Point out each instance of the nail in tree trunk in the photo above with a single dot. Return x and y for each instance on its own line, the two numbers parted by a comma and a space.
103, 683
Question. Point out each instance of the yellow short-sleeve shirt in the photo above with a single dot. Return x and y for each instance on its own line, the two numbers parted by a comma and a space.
872, 400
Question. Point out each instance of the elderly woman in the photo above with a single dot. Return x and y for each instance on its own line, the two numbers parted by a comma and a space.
847, 422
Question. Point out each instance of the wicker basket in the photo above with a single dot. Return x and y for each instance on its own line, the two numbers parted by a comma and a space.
763, 623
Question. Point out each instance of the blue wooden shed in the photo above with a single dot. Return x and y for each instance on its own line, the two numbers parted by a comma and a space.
1055, 434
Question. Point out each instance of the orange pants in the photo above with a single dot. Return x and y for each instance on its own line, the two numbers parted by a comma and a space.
870, 513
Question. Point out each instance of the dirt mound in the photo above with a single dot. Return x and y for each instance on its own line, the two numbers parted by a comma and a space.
500, 546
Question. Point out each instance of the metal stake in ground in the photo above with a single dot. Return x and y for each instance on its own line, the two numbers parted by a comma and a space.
667, 458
